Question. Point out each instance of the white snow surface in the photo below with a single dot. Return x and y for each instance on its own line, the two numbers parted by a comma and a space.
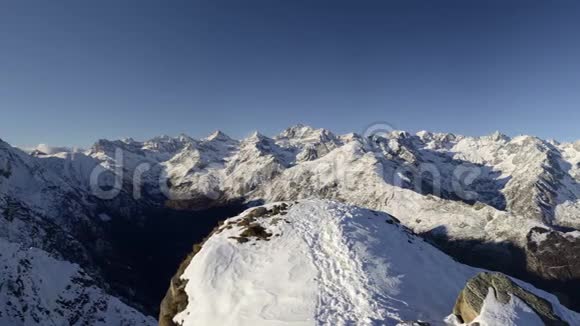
329, 263
516, 312
332, 264
39, 290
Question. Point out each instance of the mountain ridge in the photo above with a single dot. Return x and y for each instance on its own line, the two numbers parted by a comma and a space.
464, 194
317, 262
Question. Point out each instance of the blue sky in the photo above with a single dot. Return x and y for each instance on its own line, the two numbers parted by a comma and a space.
75, 71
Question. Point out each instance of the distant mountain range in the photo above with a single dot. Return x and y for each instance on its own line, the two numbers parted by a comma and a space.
493, 202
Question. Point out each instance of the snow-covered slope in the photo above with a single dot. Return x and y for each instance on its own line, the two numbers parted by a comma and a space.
319, 262
37, 289
37, 207
49, 227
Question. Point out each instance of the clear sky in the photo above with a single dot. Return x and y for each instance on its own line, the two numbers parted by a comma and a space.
75, 71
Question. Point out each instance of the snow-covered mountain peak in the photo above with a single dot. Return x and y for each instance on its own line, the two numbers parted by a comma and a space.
317, 262
497, 136
396, 134
305, 133
439, 137
50, 150
351, 136
424, 135
255, 136
109, 146
168, 144
131, 140
218, 135
308, 143
526, 140
295, 131
185, 138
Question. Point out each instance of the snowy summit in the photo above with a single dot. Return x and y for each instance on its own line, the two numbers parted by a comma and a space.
319, 262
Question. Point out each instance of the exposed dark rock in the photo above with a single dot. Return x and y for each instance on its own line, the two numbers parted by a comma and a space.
176, 300
257, 212
265, 212
255, 231
553, 255
470, 301
525, 263
553, 261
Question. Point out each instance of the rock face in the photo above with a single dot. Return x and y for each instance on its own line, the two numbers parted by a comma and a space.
175, 300
553, 255
470, 302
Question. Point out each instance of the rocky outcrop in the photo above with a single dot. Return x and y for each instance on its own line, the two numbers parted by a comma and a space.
553, 255
175, 300
470, 302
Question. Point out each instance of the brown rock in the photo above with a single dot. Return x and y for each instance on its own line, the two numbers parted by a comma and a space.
470, 300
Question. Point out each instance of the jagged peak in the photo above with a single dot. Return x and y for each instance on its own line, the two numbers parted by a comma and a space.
49, 150
163, 139
427, 136
352, 136
424, 134
256, 138
185, 137
218, 135
295, 131
398, 134
37, 153
497, 136
304, 132
104, 142
554, 142
106, 145
131, 140
526, 139
256, 135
